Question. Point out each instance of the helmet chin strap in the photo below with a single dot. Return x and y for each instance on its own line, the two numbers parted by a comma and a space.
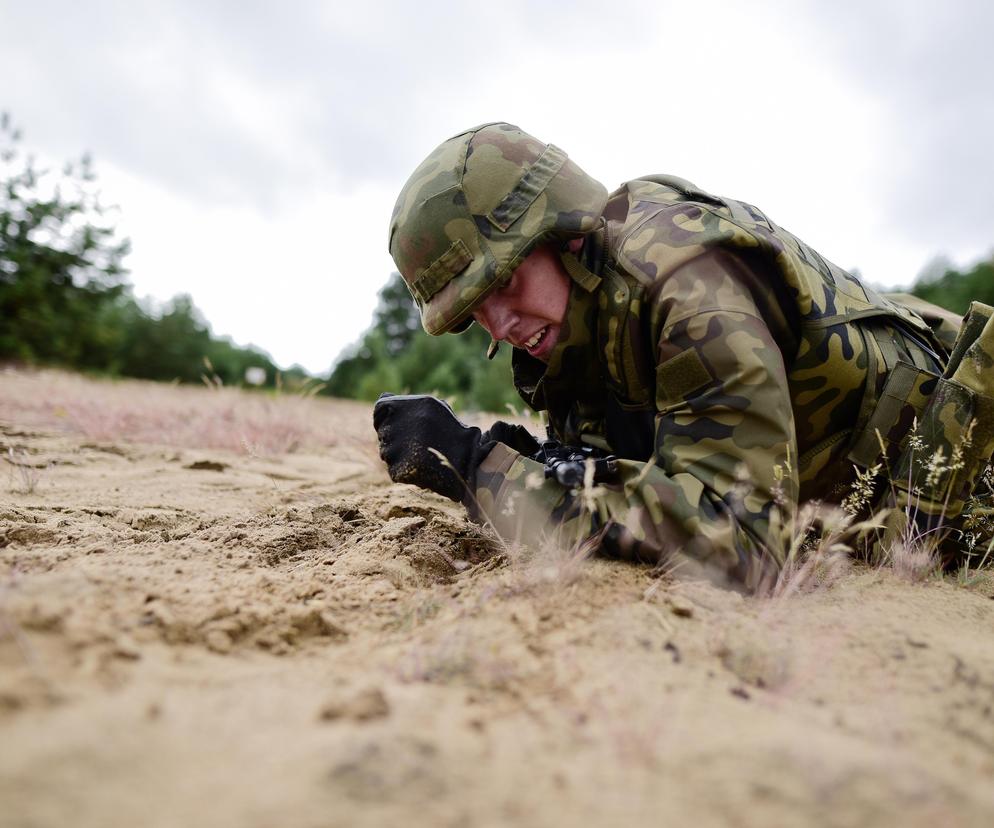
492, 350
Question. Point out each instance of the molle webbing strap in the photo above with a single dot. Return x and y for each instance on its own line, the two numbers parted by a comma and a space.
441, 271
909, 382
889, 421
884, 337
578, 273
528, 188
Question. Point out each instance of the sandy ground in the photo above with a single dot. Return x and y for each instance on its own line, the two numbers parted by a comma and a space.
215, 609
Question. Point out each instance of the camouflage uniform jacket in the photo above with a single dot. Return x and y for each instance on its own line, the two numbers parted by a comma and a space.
731, 367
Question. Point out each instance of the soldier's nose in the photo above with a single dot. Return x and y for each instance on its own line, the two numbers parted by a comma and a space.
501, 324
495, 318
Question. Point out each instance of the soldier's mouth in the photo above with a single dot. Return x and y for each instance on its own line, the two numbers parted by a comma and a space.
532, 344
540, 343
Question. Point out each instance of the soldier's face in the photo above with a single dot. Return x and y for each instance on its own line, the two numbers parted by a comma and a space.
528, 311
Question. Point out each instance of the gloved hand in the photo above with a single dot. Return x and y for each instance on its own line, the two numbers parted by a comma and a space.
514, 436
409, 426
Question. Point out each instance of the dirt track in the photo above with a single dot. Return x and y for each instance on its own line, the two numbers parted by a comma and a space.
270, 633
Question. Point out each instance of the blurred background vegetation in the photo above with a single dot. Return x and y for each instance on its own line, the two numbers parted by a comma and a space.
64, 296
65, 301
396, 355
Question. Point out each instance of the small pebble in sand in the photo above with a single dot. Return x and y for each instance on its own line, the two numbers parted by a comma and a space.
207, 465
218, 641
361, 707
680, 606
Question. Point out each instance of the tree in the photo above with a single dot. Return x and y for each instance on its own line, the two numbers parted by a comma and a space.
394, 354
954, 290
61, 265
64, 295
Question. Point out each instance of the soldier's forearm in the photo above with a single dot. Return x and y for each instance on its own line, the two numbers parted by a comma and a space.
647, 515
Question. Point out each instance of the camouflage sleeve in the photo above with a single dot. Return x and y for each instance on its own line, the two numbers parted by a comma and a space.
724, 436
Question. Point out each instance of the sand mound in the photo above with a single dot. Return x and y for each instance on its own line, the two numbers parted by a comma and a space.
199, 630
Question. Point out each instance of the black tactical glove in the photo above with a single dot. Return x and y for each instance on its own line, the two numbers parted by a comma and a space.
410, 426
514, 436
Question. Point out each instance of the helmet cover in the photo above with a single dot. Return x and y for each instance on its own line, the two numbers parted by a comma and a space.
475, 208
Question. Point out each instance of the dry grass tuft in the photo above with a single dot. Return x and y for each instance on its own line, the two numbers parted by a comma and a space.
912, 559
908, 540
24, 475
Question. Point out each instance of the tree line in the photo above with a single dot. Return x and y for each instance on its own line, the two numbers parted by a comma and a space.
953, 289
64, 296
65, 301
394, 354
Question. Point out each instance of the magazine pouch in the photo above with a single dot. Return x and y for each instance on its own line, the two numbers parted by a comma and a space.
942, 459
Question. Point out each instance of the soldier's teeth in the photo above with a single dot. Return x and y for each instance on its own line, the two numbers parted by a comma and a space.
531, 343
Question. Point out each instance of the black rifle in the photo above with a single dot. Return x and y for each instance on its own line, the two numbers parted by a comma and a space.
568, 464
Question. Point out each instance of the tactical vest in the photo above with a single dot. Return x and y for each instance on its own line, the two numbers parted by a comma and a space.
695, 222
668, 223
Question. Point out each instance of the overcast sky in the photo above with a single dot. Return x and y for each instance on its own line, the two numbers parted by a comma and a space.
255, 149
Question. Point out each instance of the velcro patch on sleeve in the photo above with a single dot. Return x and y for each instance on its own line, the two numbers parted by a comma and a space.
682, 375
441, 271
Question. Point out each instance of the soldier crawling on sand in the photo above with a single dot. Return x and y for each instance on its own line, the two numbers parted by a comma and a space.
698, 364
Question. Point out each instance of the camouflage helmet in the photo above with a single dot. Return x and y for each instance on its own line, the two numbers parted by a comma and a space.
472, 211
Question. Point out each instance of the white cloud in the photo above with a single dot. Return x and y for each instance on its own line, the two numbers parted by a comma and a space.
301, 284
